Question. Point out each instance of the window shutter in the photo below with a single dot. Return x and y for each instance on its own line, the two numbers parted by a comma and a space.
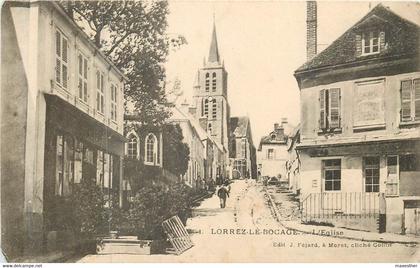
358, 45
58, 57
406, 100
416, 92
334, 109
381, 41
322, 112
64, 50
58, 43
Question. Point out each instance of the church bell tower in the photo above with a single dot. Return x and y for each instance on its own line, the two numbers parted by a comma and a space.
210, 94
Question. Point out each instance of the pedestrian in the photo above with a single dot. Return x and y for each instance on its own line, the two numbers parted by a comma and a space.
223, 193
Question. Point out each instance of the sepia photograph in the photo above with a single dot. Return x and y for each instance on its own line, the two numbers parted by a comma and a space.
210, 131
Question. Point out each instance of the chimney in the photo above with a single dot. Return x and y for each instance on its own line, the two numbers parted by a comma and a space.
311, 30
279, 129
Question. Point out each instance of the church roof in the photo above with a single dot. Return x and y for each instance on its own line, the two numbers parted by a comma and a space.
403, 37
214, 50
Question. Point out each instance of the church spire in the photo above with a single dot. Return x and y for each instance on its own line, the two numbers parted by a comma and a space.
214, 50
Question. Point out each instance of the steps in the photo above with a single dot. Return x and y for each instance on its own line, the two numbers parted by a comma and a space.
124, 245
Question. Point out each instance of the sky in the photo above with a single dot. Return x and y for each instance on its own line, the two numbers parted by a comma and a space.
262, 43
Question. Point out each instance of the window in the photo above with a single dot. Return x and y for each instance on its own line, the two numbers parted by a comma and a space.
370, 43
332, 174
83, 78
330, 111
206, 107
151, 149
114, 102
410, 100
64, 165
209, 128
409, 162
371, 173
270, 154
100, 101
392, 175
61, 59
213, 82
100, 169
207, 82
214, 109
132, 146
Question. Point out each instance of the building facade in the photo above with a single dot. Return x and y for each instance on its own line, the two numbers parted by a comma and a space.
360, 140
272, 153
194, 137
62, 122
242, 153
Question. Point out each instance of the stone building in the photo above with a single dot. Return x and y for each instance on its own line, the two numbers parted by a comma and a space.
61, 123
242, 153
360, 141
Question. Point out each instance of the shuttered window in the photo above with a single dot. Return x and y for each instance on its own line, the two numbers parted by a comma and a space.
410, 100
83, 78
334, 109
100, 99
322, 110
114, 105
330, 108
61, 62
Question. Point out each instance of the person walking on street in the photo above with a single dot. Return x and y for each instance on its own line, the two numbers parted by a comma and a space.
223, 193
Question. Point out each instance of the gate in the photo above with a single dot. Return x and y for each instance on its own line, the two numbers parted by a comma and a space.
177, 235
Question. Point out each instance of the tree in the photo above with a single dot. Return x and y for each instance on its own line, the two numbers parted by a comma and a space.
133, 34
176, 153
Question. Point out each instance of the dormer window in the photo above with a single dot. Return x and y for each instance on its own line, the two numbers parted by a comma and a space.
370, 43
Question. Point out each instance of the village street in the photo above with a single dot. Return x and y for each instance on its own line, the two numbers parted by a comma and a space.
246, 231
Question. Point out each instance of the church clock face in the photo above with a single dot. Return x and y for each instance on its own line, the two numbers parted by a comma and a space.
210, 98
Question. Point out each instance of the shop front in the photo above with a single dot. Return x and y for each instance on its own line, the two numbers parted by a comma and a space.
77, 147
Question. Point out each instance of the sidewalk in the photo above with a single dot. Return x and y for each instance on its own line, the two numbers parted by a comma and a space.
296, 225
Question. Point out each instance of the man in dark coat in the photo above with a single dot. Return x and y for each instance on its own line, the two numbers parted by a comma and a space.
223, 193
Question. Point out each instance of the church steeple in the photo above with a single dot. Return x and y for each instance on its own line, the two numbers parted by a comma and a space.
214, 50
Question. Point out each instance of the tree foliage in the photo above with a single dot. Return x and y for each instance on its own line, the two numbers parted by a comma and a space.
133, 34
88, 212
176, 152
153, 204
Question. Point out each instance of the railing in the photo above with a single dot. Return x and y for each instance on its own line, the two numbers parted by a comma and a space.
325, 206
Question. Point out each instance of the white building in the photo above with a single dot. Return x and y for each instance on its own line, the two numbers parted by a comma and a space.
62, 122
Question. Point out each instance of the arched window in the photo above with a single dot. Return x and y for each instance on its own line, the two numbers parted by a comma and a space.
151, 149
132, 145
214, 109
213, 82
206, 107
207, 82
